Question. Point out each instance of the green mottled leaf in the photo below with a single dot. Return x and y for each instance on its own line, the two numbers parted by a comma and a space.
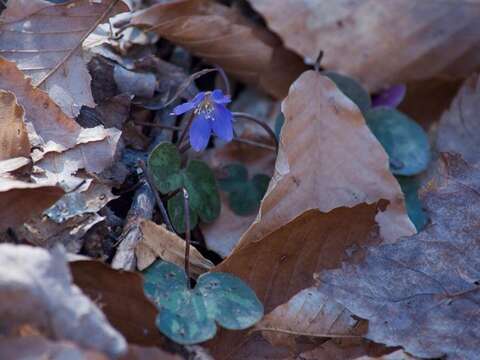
244, 196
188, 316
352, 89
202, 189
405, 142
164, 163
176, 212
415, 210
235, 175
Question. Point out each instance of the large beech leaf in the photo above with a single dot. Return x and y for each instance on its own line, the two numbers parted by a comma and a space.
328, 158
365, 39
37, 35
223, 36
327, 195
405, 142
188, 316
197, 178
422, 292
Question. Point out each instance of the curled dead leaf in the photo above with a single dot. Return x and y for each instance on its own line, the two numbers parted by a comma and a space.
158, 242
37, 35
222, 36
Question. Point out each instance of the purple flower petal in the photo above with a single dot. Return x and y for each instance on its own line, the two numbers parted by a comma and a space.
222, 123
391, 97
219, 98
200, 132
189, 105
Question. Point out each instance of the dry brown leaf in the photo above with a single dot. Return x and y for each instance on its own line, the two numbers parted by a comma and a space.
38, 34
328, 158
121, 297
14, 137
458, 127
158, 242
422, 292
364, 38
283, 263
316, 211
38, 347
37, 291
21, 200
309, 313
223, 37
63, 147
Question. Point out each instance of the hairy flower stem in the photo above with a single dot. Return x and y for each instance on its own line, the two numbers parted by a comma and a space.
186, 216
260, 123
163, 211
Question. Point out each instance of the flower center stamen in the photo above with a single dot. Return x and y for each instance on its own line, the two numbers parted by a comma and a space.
206, 107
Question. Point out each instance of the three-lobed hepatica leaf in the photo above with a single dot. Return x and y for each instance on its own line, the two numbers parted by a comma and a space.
405, 142
244, 195
164, 163
188, 316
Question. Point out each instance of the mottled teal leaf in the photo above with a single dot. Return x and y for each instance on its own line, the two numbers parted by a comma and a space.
200, 183
176, 212
244, 195
188, 316
229, 300
352, 89
415, 211
164, 164
405, 142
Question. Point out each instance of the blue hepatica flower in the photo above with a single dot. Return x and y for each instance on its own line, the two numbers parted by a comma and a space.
210, 115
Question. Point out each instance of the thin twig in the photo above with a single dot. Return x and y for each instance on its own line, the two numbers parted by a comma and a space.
163, 211
316, 66
80, 42
258, 122
186, 217
254, 143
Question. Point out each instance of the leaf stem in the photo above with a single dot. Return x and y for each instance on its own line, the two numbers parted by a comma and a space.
80, 42
183, 135
163, 211
186, 217
260, 123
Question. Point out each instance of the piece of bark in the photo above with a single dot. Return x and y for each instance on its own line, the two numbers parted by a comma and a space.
142, 208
